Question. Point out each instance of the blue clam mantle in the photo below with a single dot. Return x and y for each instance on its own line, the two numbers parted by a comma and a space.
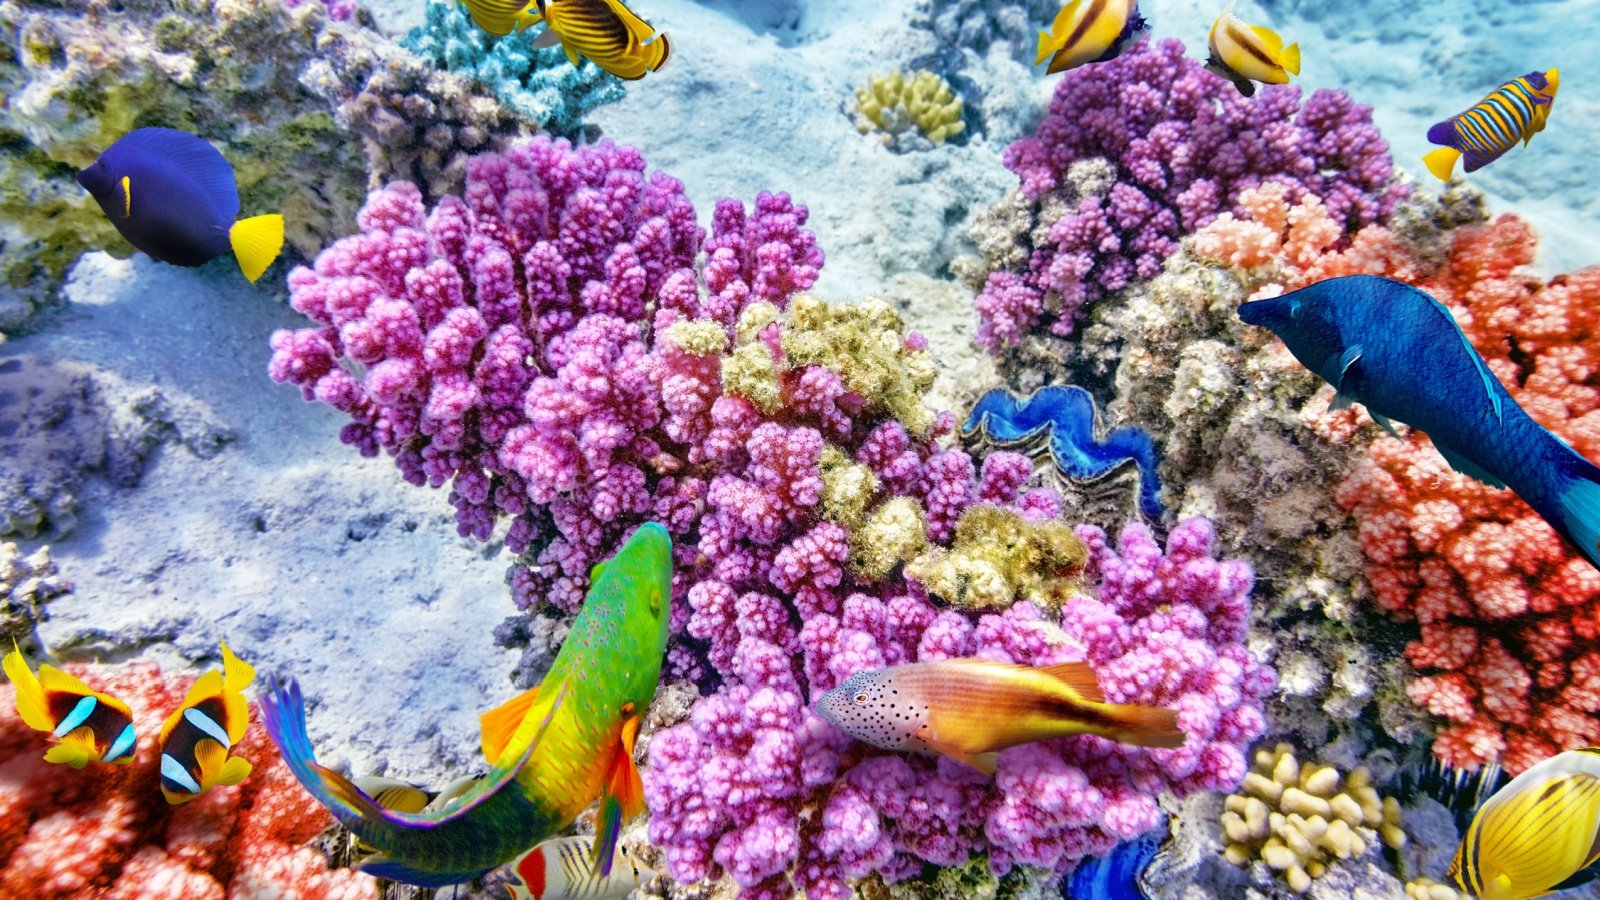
1063, 419
1118, 874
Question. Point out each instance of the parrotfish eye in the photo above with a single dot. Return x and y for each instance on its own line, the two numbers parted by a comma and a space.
655, 602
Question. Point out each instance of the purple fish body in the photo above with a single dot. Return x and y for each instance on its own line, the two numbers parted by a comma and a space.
1513, 112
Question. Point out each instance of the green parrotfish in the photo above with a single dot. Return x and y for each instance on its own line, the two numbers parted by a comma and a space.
551, 750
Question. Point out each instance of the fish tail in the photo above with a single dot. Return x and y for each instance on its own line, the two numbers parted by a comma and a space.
256, 242
1442, 162
1144, 726
236, 673
1045, 48
1579, 503
1291, 59
658, 51
30, 693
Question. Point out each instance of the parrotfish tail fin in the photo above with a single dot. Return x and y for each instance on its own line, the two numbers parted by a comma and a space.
1579, 500
75, 750
620, 800
1442, 162
283, 712
1291, 59
1146, 726
30, 694
256, 242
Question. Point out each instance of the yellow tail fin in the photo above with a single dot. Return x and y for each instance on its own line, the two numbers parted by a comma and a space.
1291, 59
256, 242
1442, 162
661, 50
1146, 726
30, 694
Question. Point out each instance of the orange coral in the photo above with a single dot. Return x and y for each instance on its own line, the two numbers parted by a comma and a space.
106, 832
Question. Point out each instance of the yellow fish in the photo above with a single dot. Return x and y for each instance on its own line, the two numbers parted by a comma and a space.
84, 724
971, 709
1087, 31
197, 738
1245, 54
1537, 834
604, 31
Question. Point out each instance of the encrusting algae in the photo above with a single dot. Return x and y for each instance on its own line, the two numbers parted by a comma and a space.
999, 557
1299, 818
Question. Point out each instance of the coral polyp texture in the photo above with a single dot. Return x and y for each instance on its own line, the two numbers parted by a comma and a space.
1139, 151
756, 787
105, 831
915, 110
1301, 818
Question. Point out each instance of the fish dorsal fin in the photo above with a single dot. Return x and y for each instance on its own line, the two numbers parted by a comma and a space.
1337, 367
621, 799
1079, 677
206, 686
640, 28
1063, 21
191, 156
31, 704
1467, 467
546, 39
53, 679
500, 723
1269, 39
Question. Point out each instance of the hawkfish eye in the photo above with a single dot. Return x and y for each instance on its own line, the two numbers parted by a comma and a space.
861, 698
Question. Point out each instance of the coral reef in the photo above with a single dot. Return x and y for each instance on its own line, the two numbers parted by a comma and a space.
998, 557
1299, 818
1062, 422
539, 84
914, 111
757, 786
105, 831
27, 583
88, 71
975, 25
1136, 152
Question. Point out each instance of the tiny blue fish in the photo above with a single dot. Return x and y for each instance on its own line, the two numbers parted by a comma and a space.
1398, 351
173, 196
1515, 111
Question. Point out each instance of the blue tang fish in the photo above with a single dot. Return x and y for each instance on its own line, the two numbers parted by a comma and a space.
173, 196
1399, 352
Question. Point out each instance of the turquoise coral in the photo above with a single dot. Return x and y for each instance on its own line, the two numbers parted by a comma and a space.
539, 84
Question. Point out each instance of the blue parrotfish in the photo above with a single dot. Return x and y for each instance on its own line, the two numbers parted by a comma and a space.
1064, 419
1245, 54
1514, 111
85, 724
1397, 350
196, 739
971, 709
551, 750
173, 196
1538, 834
1089, 31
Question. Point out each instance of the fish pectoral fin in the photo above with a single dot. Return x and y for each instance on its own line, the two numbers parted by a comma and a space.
75, 750
1340, 401
234, 771
1080, 678
1383, 420
1467, 467
546, 39
986, 762
500, 723
621, 799
1341, 366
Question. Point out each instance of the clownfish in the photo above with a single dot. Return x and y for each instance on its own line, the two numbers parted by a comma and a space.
560, 869
971, 709
1515, 111
1087, 31
173, 196
196, 738
1536, 835
86, 725
1245, 54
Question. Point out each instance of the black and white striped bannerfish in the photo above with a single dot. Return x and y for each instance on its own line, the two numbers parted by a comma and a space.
1515, 111
1540, 833
1245, 54
87, 725
196, 738
563, 869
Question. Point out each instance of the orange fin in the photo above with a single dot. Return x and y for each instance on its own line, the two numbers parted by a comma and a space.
1079, 677
621, 799
985, 762
500, 723
1146, 726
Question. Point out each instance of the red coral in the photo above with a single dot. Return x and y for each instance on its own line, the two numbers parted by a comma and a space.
107, 832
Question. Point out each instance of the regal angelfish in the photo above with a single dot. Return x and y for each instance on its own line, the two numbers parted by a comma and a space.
1516, 111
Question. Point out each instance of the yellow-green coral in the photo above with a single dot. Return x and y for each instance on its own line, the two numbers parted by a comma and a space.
847, 487
1300, 817
865, 343
1428, 889
901, 104
998, 557
892, 533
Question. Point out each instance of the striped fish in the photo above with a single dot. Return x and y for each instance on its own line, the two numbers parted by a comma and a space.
1087, 31
196, 738
1245, 54
604, 31
86, 725
1540, 833
1516, 111
560, 869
